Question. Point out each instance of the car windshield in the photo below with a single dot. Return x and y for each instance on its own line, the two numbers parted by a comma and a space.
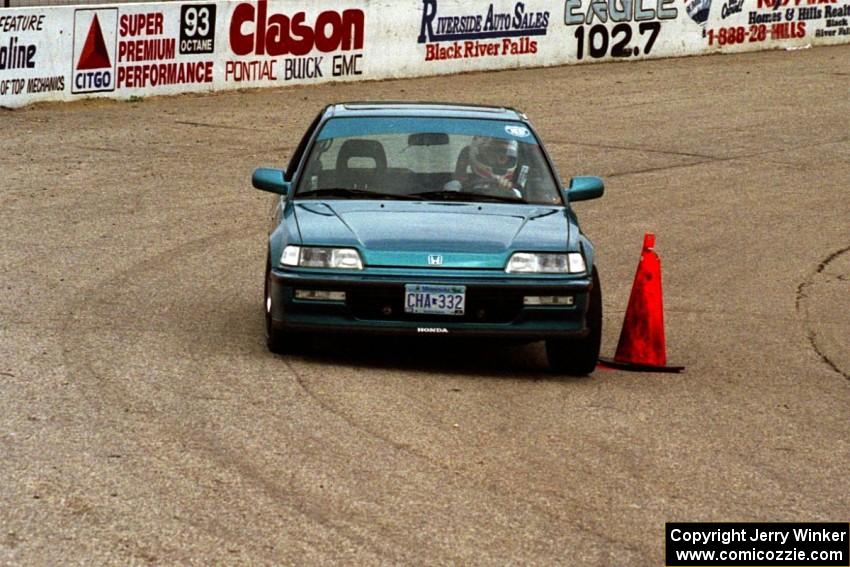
429, 159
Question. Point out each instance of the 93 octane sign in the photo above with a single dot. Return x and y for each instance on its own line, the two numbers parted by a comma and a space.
637, 24
197, 28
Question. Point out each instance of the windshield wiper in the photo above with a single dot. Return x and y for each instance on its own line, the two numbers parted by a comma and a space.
349, 192
468, 196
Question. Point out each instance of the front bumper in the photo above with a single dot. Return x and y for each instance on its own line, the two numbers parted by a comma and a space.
374, 304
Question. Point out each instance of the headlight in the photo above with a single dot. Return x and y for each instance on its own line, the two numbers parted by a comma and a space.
531, 263
314, 257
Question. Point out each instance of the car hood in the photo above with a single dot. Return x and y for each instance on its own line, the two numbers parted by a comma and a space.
429, 234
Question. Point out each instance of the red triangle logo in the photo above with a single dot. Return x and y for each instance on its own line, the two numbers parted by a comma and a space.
94, 55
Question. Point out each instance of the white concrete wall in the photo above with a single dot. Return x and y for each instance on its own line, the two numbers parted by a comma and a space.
59, 53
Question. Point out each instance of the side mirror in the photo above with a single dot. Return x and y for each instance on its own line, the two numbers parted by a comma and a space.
584, 188
271, 180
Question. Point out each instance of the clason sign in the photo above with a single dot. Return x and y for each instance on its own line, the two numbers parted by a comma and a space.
148, 49
267, 45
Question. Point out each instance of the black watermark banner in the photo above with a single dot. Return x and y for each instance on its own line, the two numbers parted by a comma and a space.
757, 544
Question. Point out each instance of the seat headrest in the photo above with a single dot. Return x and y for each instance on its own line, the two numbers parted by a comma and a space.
361, 148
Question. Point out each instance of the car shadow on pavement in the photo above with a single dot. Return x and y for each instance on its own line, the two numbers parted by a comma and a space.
465, 357
435, 355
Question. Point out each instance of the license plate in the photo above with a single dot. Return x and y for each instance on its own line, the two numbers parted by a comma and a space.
434, 299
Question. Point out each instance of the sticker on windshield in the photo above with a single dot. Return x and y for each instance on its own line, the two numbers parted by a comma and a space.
517, 131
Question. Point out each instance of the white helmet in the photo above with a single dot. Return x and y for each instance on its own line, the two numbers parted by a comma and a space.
494, 159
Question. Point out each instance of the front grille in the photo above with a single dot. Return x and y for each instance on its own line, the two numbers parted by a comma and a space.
386, 303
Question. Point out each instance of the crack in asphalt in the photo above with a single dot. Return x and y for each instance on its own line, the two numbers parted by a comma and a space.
630, 149
210, 125
824, 358
706, 157
802, 295
801, 289
116, 150
694, 163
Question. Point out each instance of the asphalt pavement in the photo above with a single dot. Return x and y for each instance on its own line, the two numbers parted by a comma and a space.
142, 419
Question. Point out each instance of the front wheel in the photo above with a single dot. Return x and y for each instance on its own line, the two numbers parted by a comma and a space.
578, 357
277, 341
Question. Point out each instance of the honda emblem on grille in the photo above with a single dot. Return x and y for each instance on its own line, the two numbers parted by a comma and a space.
435, 260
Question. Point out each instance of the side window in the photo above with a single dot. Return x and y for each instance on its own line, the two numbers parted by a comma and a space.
302, 146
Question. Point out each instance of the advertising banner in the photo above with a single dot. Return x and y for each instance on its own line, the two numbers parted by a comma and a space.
279, 43
148, 49
28, 69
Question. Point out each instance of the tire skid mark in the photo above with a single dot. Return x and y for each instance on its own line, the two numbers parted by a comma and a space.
227, 459
302, 383
209, 447
492, 487
84, 366
803, 295
203, 444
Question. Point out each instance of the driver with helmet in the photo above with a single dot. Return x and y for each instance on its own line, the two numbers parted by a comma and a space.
488, 163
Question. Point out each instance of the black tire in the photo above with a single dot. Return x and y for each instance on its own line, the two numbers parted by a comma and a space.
277, 341
578, 357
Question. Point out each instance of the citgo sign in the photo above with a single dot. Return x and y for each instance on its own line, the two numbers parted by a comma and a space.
95, 34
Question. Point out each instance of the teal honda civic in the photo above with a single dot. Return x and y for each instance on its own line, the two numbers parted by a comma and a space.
430, 219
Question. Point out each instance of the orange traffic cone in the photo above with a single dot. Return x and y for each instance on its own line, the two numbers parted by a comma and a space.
642, 345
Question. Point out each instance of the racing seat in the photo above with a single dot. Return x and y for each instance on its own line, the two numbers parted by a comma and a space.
355, 175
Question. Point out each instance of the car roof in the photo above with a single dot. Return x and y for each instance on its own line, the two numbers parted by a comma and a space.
425, 109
